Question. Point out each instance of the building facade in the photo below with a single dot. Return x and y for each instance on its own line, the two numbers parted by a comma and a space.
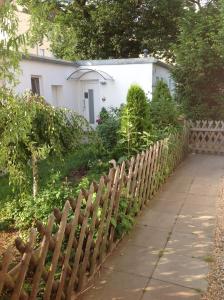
87, 86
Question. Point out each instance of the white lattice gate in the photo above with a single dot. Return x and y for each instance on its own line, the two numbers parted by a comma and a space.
207, 136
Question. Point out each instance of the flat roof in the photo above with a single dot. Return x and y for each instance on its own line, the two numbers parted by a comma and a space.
98, 62
52, 60
123, 61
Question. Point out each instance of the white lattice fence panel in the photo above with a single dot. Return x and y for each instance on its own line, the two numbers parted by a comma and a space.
206, 136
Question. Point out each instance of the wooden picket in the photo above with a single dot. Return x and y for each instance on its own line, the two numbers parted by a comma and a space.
206, 136
74, 243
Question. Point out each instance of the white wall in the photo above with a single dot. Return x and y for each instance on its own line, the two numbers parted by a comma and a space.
71, 91
50, 74
160, 73
115, 92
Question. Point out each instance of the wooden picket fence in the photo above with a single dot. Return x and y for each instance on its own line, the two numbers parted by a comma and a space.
61, 257
206, 136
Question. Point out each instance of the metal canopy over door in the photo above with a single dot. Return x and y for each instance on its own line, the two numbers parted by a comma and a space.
90, 98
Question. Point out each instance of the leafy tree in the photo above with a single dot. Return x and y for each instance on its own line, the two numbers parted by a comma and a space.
106, 28
135, 119
10, 43
162, 107
31, 131
199, 70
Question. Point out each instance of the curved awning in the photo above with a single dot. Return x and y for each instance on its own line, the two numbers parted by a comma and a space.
78, 74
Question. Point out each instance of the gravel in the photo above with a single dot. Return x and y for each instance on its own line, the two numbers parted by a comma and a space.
216, 275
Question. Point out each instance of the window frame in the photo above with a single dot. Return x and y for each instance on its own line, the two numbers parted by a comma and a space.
38, 87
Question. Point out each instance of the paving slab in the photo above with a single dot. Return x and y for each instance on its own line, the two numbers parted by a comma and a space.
160, 290
199, 201
165, 194
197, 209
199, 189
182, 270
199, 224
189, 244
113, 285
143, 260
147, 237
181, 184
167, 205
157, 219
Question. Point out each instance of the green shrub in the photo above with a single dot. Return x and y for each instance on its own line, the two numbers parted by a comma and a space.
108, 126
135, 119
24, 210
164, 112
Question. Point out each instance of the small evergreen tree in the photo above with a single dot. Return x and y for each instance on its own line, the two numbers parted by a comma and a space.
163, 109
135, 119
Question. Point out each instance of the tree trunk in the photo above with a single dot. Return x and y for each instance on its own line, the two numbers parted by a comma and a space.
35, 175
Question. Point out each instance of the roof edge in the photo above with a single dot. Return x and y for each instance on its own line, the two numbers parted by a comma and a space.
52, 60
116, 61
163, 64
122, 61
80, 63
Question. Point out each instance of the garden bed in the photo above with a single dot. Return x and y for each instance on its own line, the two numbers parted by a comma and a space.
75, 171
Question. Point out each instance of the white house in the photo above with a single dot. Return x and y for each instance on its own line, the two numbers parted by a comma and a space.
87, 86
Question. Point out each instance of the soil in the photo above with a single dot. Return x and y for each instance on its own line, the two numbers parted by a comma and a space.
216, 276
7, 239
75, 175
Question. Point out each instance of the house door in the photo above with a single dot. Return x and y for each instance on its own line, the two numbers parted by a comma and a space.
90, 100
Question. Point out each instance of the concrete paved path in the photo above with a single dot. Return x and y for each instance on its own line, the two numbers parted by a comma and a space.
166, 255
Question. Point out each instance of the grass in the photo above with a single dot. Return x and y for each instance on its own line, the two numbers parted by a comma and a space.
208, 259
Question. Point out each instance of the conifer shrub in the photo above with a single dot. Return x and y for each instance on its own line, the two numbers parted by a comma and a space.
163, 109
135, 119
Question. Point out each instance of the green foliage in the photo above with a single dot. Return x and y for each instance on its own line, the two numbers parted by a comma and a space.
161, 92
125, 219
11, 43
104, 115
58, 179
108, 126
135, 119
32, 130
199, 69
27, 209
102, 29
164, 112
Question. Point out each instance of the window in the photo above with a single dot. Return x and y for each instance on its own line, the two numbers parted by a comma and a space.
35, 85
